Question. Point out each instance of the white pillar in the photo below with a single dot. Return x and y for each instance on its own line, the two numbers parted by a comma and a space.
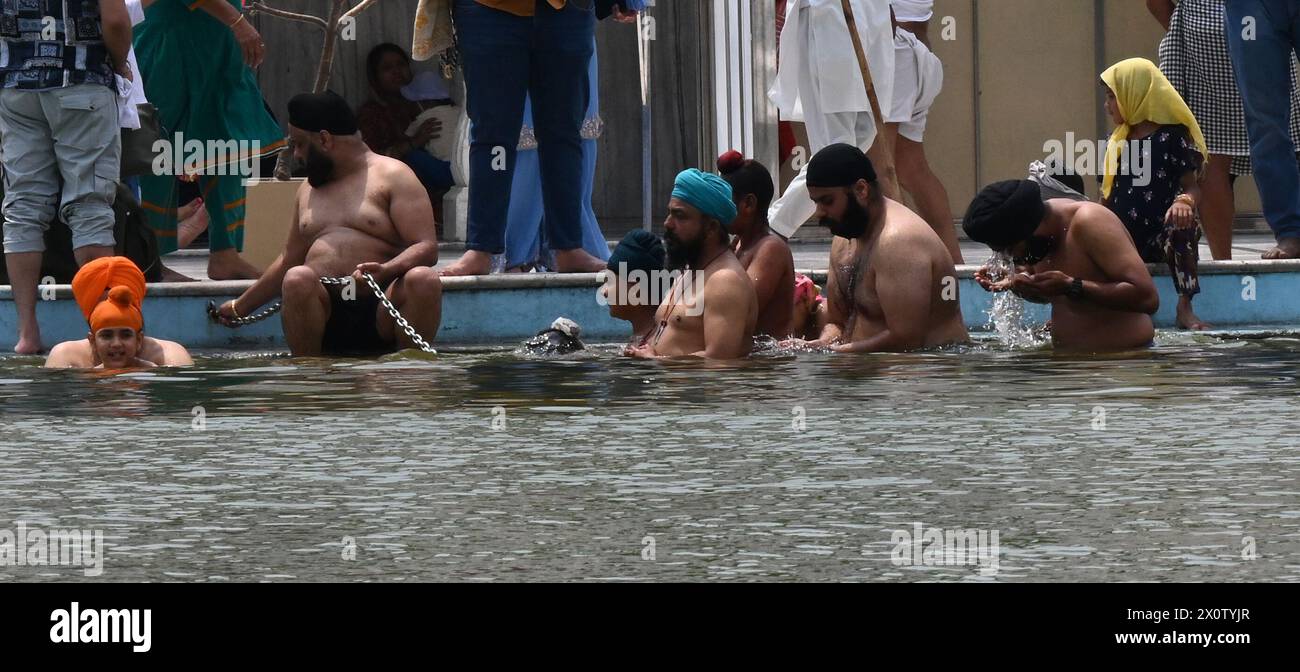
455, 203
743, 67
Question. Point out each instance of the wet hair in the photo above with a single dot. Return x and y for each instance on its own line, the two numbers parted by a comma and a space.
376, 55
747, 176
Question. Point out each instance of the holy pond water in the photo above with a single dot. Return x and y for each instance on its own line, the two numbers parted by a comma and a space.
1177, 464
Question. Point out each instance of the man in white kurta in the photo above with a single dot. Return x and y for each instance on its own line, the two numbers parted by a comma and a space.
819, 83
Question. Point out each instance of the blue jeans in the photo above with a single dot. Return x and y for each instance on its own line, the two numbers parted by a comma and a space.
1263, 70
435, 175
526, 235
526, 240
507, 57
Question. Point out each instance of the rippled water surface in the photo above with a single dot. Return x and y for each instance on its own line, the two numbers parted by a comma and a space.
1179, 464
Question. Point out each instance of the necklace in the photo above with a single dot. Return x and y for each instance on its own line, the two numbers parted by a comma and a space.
854, 273
663, 324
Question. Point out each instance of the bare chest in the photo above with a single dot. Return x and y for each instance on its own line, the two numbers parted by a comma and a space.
361, 209
857, 284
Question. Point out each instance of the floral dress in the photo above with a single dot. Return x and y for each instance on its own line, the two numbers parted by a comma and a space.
1143, 194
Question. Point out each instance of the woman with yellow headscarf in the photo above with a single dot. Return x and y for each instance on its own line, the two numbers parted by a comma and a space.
1152, 170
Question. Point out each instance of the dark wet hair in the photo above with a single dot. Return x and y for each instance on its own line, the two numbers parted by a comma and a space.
376, 55
747, 176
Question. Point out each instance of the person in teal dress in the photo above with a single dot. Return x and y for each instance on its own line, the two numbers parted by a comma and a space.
197, 59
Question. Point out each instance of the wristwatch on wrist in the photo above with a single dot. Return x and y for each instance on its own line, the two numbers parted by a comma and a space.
1076, 289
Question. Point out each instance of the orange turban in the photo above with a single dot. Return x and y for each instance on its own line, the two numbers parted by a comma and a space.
122, 309
99, 274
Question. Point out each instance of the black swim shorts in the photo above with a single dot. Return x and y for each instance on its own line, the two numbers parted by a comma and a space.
353, 328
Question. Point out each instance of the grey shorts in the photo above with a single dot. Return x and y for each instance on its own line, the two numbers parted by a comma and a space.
62, 149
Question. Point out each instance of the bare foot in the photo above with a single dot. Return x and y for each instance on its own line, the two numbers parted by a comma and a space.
1188, 319
1287, 248
192, 225
228, 265
168, 275
577, 261
473, 262
188, 210
30, 343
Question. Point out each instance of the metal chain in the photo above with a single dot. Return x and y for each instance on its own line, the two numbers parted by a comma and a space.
250, 319
374, 286
397, 316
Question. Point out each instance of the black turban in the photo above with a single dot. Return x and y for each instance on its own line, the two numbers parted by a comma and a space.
640, 250
325, 111
840, 165
1005, 213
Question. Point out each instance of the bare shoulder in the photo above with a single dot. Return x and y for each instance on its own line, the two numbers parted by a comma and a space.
386, 163
774, 246
906, 235
173, 353
1094, 222
1094, 216
69, 354
728, 281
390, 169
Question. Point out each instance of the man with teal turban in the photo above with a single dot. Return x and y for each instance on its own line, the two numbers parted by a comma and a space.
712, 309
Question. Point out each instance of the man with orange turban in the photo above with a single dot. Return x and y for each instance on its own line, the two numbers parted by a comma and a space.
94, 288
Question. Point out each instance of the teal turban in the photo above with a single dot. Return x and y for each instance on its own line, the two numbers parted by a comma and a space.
707, 192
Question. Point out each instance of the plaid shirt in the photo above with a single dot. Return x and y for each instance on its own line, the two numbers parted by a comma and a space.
51, 44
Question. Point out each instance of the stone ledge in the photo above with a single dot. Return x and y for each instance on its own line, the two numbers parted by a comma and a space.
506, 281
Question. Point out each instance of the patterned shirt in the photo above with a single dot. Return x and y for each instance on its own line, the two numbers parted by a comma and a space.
51, 44
1168, 154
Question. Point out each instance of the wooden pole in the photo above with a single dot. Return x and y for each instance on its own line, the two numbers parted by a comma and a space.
882, 151
339, 11
647, 125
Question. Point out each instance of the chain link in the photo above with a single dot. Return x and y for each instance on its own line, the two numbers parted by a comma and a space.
245, 321
343, 281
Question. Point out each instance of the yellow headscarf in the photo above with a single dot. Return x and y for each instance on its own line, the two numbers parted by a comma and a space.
1144, 94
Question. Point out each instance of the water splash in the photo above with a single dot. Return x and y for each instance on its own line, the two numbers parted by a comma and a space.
1007, 316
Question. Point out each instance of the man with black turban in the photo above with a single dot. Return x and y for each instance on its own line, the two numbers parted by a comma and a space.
1075, 255
711, 310
892, 284
359, 212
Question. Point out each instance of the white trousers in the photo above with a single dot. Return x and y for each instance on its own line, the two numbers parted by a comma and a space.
794, 208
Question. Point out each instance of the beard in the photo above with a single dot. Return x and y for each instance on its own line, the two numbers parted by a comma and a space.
852, 224
319, 167
678, 253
